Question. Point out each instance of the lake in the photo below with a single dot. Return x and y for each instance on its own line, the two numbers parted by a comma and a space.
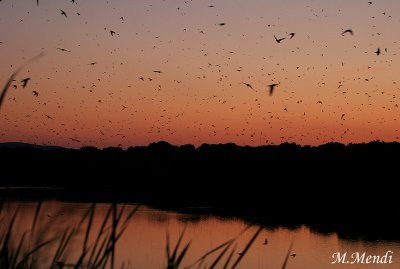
143, 242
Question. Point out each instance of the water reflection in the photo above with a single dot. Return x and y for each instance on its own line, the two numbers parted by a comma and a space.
143, 243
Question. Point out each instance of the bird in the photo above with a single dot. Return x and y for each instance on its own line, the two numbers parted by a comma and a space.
25, 82
221, 24
211, 6
93, 63
13, 75
293, 255
49, 117
291, 35
112, 32
73, 2
157, 71
378, 51
248, 85
35, 93
369, 3
272, 87
348, 31
266, 241
279, 40
62, 49
63, 13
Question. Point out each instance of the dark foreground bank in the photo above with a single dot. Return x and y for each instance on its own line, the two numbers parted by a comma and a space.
348, 189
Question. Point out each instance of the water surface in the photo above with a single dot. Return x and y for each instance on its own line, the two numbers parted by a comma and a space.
143, 244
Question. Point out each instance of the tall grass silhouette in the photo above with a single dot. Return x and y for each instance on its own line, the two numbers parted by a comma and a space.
95, 246
33, 247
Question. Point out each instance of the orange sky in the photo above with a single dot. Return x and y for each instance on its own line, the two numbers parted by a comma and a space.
200, 96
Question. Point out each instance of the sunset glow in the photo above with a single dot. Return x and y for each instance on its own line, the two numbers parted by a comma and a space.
97, 85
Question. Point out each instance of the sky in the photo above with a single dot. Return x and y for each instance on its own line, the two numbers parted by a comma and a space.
214, 60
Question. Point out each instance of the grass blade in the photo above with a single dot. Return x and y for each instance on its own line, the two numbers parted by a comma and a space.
287, 256
247, 247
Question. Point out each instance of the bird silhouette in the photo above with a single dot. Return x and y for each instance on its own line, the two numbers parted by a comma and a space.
157, 71
93, 63
279, 40
49, 117
62, 49
248, 85
63, 13
13, 75
25, 82
112, 33
291, 35
378, 51
272, 88
293, 255
266, 241
221, 24
35, 93
348, 31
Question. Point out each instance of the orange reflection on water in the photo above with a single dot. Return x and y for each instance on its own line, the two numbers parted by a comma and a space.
143, 245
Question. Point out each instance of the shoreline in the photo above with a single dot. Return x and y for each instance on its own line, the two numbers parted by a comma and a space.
346, 228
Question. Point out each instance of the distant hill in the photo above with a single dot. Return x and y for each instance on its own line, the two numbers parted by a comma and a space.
14, 145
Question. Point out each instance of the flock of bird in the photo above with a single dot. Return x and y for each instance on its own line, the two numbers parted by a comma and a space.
218, 72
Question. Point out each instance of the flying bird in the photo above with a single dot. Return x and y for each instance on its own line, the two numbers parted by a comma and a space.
49, 117
266, 241
25, 82
291, 35
248, 85
272, 88
93, 63
13, 75
378, 51
35, 93
62, 49
348, 31
221, 24
293, 255
157, 71
63, 13
112, 33
279, 40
